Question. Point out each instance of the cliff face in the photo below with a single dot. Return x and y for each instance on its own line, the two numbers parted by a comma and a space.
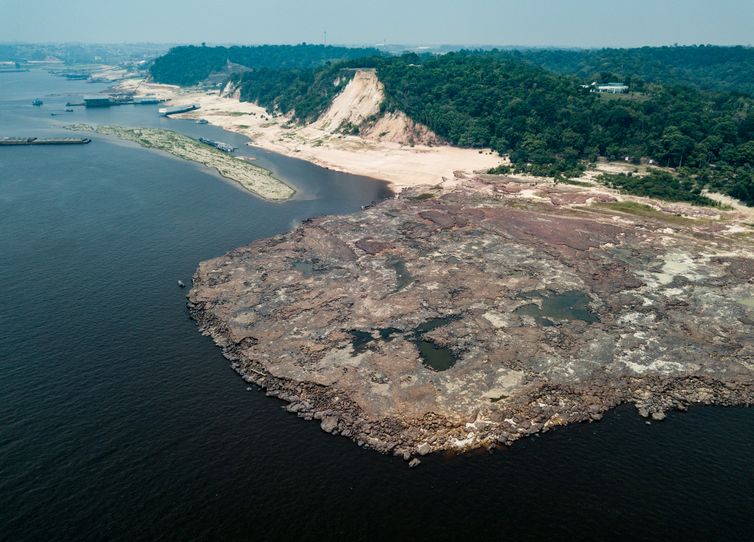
450, 319
231, 90
358, 107
357, 102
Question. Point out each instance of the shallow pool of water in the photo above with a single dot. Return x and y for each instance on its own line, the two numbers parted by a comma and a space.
572, 305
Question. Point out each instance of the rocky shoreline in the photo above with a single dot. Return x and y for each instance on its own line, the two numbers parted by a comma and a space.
473, 314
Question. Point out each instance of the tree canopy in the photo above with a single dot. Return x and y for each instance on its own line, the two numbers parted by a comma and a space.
549, 124
189, 65
705, 67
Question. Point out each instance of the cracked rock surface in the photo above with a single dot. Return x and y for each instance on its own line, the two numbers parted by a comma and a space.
473, 315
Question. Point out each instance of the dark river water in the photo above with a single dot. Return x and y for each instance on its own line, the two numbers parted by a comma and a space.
119, 421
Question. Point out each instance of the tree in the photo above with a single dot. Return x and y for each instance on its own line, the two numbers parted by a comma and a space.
675, 146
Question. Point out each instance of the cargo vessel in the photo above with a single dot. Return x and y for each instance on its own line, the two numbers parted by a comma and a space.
98, 101
44, 141
167, 111
217, 144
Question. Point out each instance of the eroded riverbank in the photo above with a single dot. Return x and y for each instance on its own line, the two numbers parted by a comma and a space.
554, 304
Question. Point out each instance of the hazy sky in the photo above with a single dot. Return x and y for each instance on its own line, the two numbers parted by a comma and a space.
504, 22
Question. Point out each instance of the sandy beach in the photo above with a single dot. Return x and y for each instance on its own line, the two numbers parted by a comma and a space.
400, 164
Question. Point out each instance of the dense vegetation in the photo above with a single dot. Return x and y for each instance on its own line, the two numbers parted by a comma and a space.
305, 91
660, 185
548, 124
189, 65
706, 67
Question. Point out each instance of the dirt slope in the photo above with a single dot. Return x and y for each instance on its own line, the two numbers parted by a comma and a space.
358, 106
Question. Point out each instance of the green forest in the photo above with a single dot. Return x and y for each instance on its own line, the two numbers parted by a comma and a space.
658, 184
706, 67
549, 124
189, 65
545, 121
305, 91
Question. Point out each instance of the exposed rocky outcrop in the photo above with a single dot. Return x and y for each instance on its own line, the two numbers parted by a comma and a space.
454, 318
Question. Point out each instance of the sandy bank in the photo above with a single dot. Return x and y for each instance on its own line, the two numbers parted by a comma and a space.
249, 176
401, 165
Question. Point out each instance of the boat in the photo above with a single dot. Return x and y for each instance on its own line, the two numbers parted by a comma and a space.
217, 144
167, 111
69, 110
98, 101
16, 140
37, 102
60, 141
181, 284
44, 141
202, 121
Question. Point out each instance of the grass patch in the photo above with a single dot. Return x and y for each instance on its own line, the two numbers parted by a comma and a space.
644, 211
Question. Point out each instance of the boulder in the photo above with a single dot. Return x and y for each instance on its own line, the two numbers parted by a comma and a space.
329, 424
424, 448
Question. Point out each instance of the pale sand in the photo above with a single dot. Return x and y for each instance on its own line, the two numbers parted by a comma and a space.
400, 165
744, 210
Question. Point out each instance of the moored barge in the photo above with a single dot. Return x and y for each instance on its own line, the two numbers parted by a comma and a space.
167, 111
217, 144
44, 141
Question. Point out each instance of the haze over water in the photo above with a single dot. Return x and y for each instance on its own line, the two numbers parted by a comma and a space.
119, 421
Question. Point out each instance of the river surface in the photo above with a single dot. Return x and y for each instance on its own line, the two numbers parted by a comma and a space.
119, 421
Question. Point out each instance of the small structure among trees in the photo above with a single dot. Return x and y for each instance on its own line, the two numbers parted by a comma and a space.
609, 88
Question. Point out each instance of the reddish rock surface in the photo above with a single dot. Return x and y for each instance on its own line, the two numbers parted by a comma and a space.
546, 312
